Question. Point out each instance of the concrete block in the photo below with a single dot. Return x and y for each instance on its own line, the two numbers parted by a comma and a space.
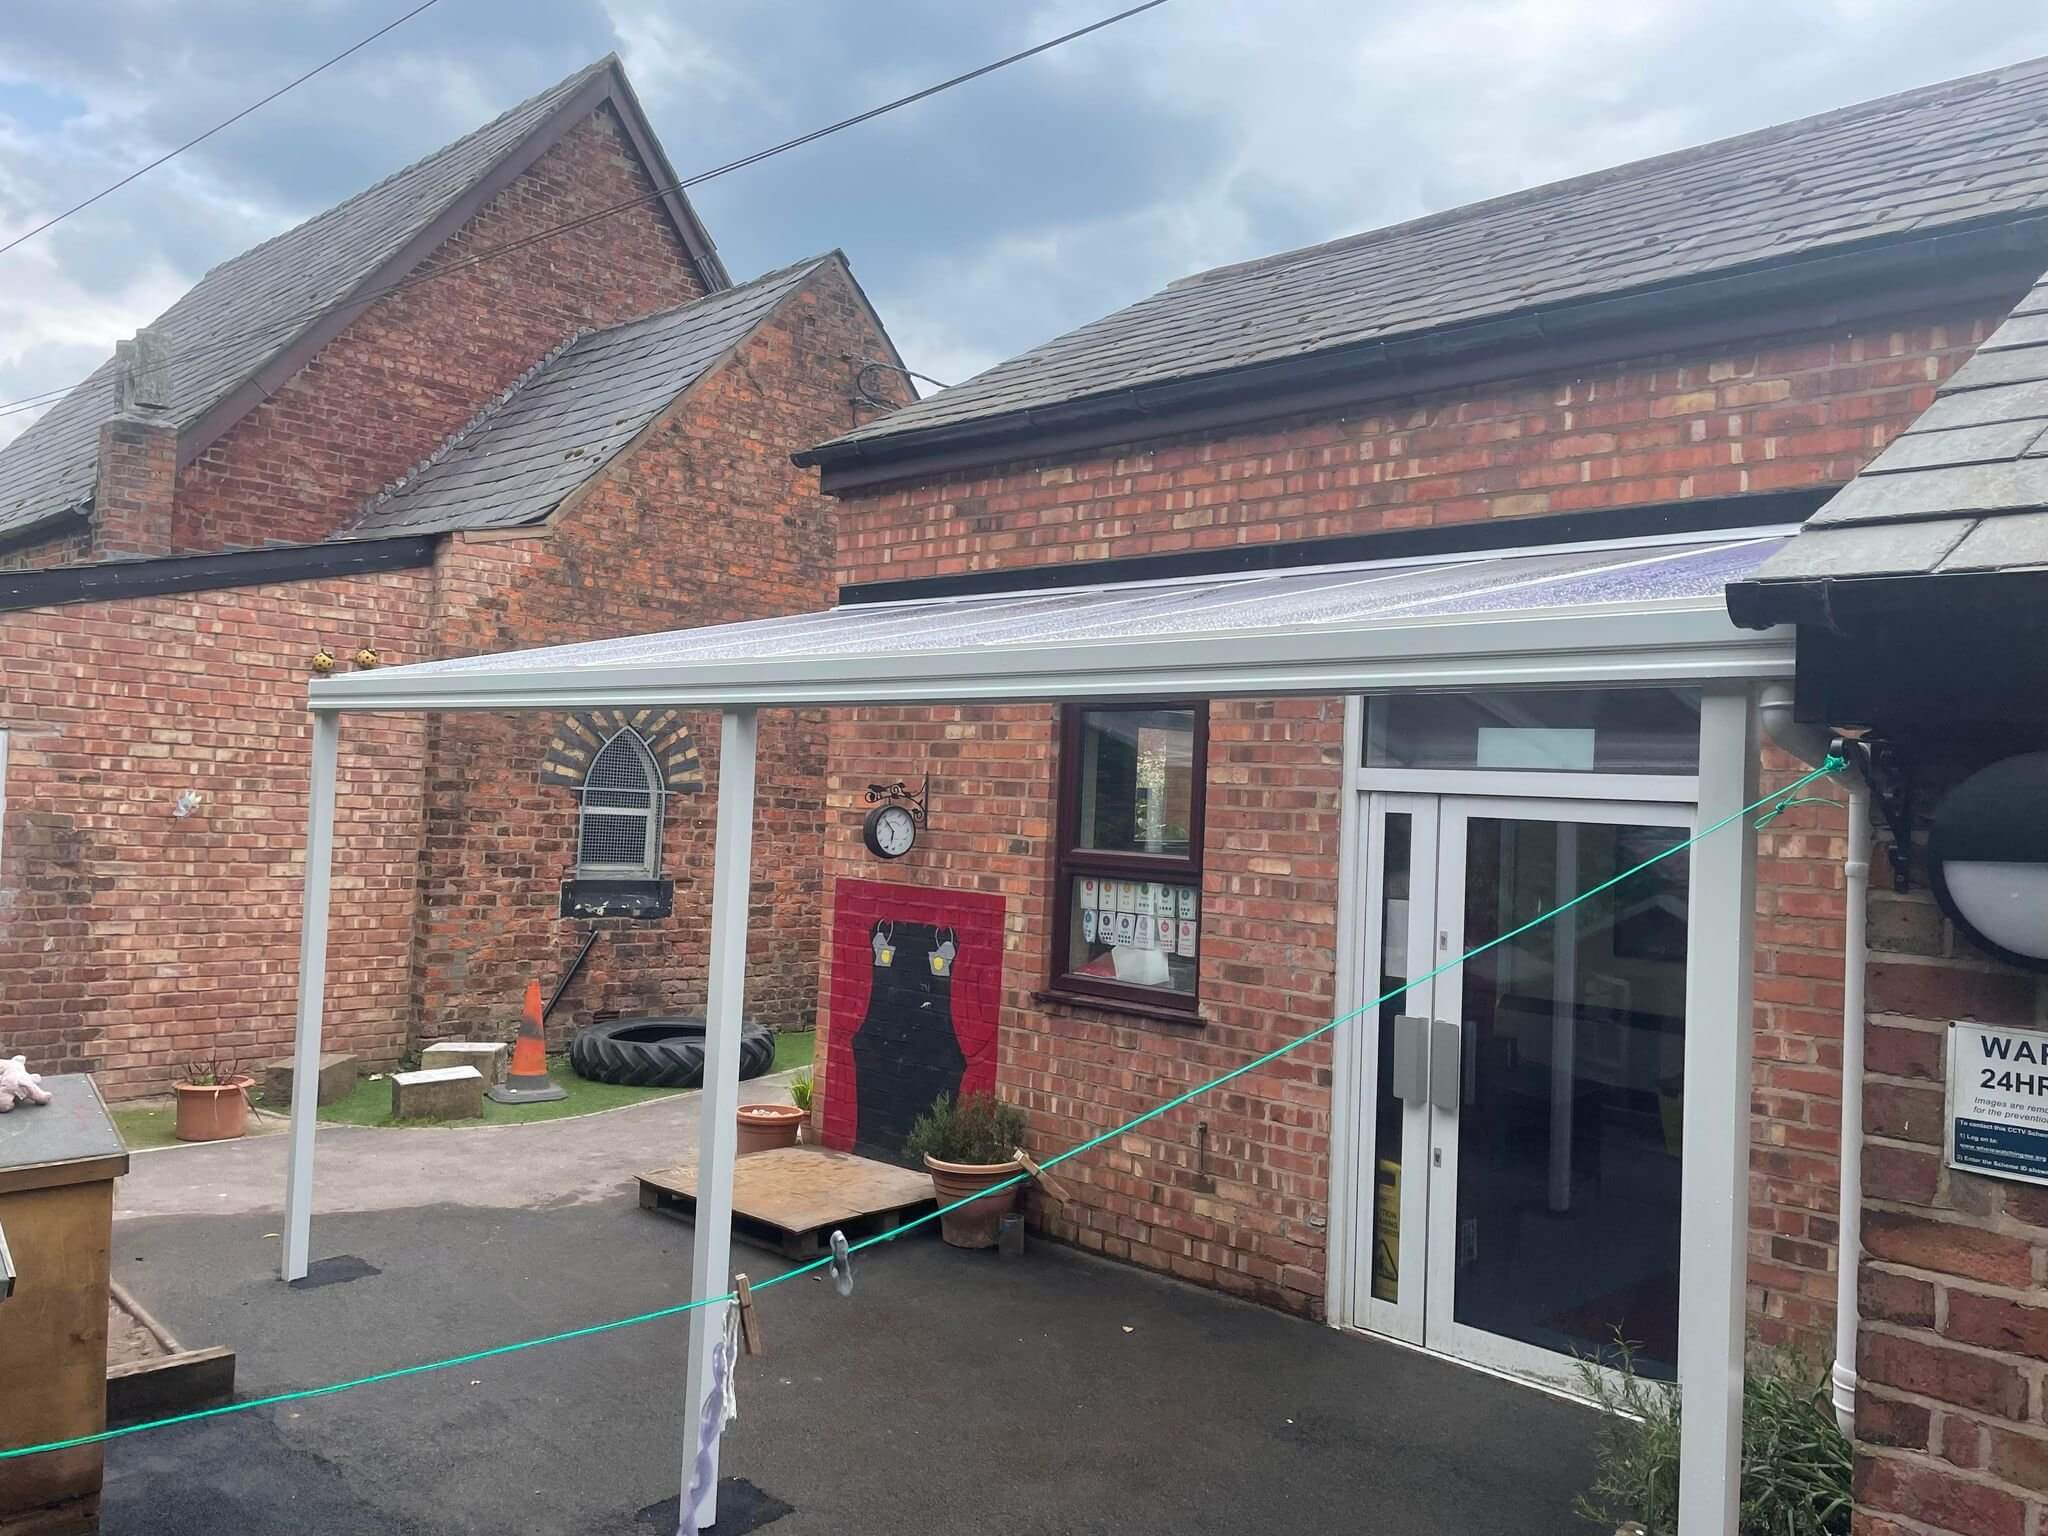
487, 1056
338, 1074
444, 1093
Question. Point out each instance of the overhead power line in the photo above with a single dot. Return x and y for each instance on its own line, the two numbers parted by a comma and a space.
227, 122
293, 323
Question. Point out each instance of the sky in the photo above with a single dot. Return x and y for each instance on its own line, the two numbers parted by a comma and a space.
981, 222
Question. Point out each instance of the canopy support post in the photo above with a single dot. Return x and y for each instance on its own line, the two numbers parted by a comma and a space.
1714, 1221
298, 1187
718, 1128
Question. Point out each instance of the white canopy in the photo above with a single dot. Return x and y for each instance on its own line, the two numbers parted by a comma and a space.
1616, 612
1590, 615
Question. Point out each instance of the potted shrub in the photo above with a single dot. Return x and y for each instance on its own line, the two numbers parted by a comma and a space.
213, 1102
803, 1094
968, 1145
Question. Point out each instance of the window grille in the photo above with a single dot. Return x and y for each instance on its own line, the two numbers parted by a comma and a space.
620, 831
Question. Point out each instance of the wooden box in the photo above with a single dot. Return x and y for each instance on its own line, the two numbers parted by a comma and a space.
58, 1163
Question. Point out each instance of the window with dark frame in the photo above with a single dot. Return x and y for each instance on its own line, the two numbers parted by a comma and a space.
619, 831
1127, 909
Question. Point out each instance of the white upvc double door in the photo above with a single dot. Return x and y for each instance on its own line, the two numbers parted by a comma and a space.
1517, 1155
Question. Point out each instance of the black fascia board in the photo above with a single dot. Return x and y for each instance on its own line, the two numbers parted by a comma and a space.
107, 580
1842, 604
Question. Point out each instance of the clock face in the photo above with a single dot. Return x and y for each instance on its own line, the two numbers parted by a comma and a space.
890, 831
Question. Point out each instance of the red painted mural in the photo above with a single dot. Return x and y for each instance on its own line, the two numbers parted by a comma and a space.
916, 990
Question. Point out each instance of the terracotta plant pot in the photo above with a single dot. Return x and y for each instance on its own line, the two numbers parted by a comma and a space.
213, 1111
973, 1226
763, 1127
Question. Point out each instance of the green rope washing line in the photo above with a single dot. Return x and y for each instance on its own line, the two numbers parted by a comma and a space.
1832, 764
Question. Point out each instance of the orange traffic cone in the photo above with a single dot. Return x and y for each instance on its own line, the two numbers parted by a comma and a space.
527, 1080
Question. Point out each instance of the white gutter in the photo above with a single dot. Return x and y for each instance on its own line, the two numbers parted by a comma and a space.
1810, 744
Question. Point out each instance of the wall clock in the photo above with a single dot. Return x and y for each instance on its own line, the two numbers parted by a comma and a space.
891, 827
889, 831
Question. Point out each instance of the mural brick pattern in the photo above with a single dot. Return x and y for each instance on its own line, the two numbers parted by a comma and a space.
915, 999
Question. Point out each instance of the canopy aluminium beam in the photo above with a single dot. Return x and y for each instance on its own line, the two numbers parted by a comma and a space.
1675, 643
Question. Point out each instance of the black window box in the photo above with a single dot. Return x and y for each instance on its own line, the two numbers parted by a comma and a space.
640, 900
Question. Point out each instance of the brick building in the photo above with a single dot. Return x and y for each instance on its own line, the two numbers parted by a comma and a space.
1918, 596
1690, 354
423, 425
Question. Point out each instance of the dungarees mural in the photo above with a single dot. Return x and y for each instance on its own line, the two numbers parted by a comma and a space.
906, 1052
916, 975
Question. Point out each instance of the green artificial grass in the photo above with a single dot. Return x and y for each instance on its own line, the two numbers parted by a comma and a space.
153, 1125
370, 1103
793, 1050
146, 1125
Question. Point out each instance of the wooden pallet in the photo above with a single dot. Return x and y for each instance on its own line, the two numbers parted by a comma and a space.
792, 1198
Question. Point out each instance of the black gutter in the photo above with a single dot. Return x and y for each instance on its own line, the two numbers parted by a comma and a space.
107, 580
1708, 514
1839, 604
1994, 259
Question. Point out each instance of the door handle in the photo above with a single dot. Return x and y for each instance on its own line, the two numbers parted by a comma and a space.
1445, 1080
1410, 1079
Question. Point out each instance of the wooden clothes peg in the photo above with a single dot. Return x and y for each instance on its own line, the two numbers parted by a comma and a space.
751, 1338
1051, 1185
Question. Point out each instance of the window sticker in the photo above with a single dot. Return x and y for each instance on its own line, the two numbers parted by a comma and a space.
1187, 939
1087, 925
1187, 902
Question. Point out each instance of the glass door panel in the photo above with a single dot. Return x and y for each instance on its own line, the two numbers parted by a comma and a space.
1393, 1174
1555, 1148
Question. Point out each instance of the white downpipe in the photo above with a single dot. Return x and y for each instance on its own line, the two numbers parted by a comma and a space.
1810, 744
1849, 1249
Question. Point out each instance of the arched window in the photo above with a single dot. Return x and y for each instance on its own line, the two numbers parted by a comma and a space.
619, 836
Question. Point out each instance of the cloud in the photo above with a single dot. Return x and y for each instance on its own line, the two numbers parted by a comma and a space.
982, 222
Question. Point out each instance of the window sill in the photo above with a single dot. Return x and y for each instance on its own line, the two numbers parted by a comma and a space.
1066, 1002
639, 900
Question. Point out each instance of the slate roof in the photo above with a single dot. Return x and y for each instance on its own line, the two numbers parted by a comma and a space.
1965, 488
247, 310
572, 413
1928, 159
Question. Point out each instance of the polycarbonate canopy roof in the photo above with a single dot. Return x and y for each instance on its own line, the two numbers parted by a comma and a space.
1648, 611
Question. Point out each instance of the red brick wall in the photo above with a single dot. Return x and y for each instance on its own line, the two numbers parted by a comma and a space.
134, 491
705, 521
1805, 411
134, 940
415, 366
1952, 1432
